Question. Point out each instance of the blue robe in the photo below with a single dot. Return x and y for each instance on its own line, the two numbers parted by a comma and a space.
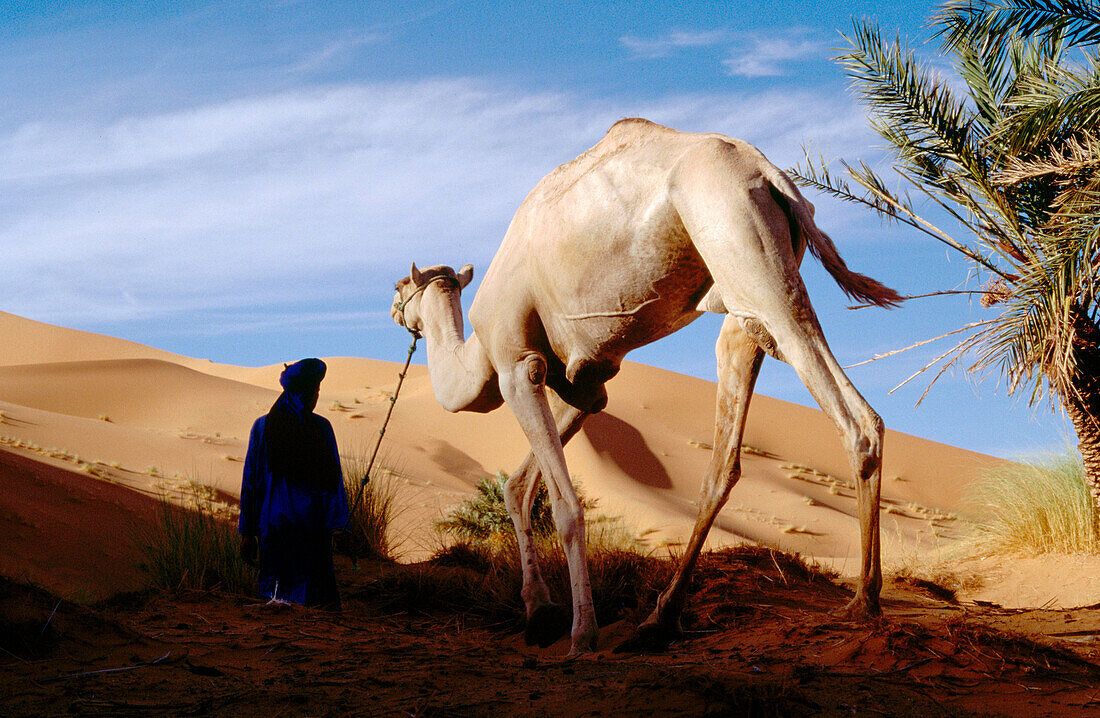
294, 515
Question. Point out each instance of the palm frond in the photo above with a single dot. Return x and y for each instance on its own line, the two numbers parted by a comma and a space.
940, 143
1015, 161
1032, 342
905, 98
1050, 108
989, 77
1078, 155
878, 197
816, 175
1078, 21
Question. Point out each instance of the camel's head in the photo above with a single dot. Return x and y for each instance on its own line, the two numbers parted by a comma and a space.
410, 289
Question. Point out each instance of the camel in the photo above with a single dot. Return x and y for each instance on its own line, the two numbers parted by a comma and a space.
624, 245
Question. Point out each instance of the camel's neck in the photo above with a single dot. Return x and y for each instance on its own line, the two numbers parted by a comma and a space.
462, 377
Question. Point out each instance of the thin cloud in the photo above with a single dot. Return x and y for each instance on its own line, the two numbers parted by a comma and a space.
334, 54
747, 54
668, 45
769, 56
324, 194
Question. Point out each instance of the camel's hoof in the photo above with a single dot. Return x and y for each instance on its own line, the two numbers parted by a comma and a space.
548, 623
860, 609
649, 638
585, 646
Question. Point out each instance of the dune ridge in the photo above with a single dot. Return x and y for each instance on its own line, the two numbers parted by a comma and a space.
157, 422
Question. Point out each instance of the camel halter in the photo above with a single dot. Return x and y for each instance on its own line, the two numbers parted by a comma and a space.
400, 307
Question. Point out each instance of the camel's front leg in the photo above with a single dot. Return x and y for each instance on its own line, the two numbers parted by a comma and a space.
522, 386
546, 621
739, 359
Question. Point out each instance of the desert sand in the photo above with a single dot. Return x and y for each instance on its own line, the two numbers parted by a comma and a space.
158, 423
95, 431
161, 424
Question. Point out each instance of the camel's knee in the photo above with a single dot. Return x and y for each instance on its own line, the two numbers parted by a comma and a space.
733, 469
533, 368
524, 373
514, 490
568, 519
717, 490
866, 444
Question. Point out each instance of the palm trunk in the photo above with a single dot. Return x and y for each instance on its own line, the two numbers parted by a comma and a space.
1082, 403
1084, 417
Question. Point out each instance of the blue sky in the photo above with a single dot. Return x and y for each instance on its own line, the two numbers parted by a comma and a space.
245, 182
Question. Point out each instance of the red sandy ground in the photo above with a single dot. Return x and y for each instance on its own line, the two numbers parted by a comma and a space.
68, 531
761, 641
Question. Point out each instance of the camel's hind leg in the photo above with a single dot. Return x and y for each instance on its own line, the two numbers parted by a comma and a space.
546, 621
803, 346
739, 360
744, 237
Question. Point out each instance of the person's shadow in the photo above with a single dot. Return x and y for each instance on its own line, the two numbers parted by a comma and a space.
619, 441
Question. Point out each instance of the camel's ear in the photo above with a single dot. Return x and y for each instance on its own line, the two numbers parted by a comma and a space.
415, 275
465, 275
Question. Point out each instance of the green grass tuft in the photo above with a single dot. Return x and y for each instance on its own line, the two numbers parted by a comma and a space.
1041, 506
484, 516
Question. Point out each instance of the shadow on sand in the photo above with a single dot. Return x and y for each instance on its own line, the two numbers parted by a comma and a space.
623, 444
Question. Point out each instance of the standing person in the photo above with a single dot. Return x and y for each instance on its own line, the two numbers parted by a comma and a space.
292, 493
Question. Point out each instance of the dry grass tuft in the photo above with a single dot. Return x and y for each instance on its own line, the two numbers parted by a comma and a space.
367, 533
624, 575
1037, 507
189, 549
484, 580
753, 451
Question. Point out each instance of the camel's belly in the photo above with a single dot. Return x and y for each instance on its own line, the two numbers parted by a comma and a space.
625, 299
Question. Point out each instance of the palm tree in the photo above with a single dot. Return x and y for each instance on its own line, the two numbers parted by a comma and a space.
1014, 160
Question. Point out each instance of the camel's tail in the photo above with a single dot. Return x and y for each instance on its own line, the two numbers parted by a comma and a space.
800, 217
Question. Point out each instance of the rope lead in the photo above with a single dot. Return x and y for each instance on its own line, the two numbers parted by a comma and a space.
381, 433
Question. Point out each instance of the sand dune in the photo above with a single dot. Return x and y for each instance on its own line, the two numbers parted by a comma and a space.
156, 422
67, 532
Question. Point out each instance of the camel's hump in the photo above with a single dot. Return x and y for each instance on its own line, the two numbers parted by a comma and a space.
622, 136
634, 137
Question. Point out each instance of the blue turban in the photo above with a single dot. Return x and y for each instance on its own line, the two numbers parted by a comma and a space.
303, 376
299, 380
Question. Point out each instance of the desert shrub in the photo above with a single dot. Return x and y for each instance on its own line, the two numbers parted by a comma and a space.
623, 573
194, 549
367, 532
477, 557
1036, 507
625, 581
484, 516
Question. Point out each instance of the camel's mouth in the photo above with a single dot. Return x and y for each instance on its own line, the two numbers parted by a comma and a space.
396, 310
